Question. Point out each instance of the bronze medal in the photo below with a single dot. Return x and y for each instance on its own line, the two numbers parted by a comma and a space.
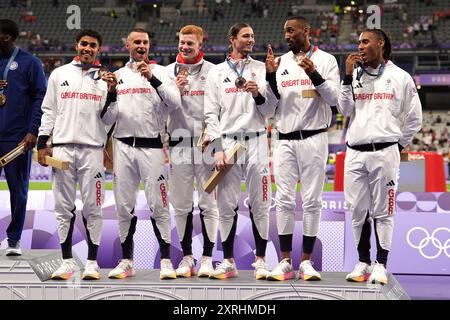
3, 84
240, 82
2, 99
183, 71
102, 73
299, 57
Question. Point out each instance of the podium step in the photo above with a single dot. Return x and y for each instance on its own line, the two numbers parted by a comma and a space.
18, 281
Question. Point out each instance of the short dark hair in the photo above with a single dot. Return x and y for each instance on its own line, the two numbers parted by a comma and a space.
9, 27
89, 33
300, 19
139, 30
382, 35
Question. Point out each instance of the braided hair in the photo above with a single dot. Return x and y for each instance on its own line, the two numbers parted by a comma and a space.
382, 35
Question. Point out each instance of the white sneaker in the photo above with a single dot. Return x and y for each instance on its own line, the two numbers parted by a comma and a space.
307, 272
91, 271
379, 274
206, 267
167, 271
14, 250
123, 270
65, 270
360, 273
224, 270
261, 270
186, 268
283, 271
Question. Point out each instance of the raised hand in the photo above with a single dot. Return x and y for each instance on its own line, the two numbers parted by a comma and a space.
352, 60
308, 65
145, 70
251, 86
181, 81
111, 80
272, 63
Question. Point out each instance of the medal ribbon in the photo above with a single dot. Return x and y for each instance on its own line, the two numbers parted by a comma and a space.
8, 65
362, 70
234, 68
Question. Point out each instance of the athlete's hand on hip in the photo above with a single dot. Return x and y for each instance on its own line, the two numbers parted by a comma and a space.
220, 159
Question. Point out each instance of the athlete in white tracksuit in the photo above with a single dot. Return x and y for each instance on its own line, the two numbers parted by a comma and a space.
234, 115
385, 114
302, 117
186, 164
71, 115
139, 107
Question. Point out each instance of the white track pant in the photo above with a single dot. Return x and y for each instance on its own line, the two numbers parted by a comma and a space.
370, 183
131, 165
304, 161
254, 165
86, 168
183, 173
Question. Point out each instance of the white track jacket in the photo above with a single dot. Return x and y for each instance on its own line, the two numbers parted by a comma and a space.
383, 109
229, 109
190, 115
140, 109
72, 107
295, 112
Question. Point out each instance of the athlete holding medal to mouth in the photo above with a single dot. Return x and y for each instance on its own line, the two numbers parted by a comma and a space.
385, 113
238, 102
138, 102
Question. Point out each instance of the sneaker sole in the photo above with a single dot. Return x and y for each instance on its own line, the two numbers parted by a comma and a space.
187, 274
124, 275
204, 274
227, 275
260, 277
309, 278
283, 277
383, 281
91, 277
168, 277
13, 254
363, 278
62, 277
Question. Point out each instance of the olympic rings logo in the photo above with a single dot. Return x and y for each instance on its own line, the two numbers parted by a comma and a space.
441, 247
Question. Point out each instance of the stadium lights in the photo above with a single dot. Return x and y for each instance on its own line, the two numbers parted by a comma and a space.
155, 6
